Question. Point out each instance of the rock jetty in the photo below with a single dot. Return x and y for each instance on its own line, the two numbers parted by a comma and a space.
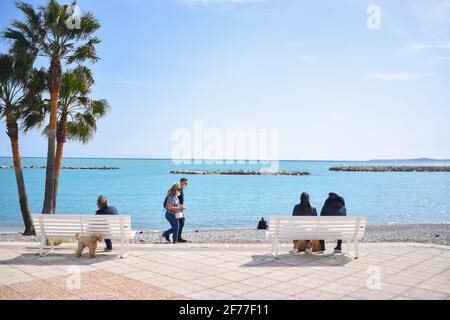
66, 168
393, 168
241, 172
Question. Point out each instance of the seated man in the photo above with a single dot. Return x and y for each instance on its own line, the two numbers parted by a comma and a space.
262, 224
104, 209
333, 206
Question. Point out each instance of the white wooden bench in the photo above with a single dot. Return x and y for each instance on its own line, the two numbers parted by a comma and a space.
64, 226
347, 229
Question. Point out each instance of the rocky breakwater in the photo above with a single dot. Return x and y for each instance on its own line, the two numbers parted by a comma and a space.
392, 168
241, 172
66, 168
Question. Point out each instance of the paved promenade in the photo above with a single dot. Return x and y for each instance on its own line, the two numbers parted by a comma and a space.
219, 271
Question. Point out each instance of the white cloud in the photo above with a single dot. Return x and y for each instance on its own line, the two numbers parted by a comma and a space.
307, 59
422, 46
397, 76
434, 11
443, 58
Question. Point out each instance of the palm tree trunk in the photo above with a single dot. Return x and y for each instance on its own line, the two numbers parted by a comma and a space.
54, 80
13, 133
61, 135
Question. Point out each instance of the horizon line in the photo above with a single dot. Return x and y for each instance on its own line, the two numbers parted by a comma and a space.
245, 160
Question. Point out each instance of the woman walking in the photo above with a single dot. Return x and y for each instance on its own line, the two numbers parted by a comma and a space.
173, 207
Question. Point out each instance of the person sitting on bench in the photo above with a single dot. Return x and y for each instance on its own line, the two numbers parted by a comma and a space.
333, 206
304, 208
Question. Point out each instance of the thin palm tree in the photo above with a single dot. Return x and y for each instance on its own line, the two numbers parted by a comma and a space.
46, 32
20, 90
77, 114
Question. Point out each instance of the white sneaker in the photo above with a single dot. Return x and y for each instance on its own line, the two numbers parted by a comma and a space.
293, 251
308, 251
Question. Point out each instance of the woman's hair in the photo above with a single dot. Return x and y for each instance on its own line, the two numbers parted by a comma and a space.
304, 202
173, 189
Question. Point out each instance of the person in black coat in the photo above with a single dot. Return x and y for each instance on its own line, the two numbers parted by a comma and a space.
333, 206
262, 224
304, 208
104, 209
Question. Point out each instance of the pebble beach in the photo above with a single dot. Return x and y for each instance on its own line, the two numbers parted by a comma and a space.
419, 233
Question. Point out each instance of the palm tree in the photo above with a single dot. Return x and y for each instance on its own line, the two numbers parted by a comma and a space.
45, 32
20, 89
77, 114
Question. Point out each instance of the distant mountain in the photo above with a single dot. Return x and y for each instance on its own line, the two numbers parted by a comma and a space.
416, 160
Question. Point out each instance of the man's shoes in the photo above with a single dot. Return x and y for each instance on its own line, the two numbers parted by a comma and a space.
108, 249
336, 250
182, 240
166, 236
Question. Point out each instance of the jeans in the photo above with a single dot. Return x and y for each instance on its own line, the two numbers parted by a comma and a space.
180, 230
338, 246
175, 225
108, 244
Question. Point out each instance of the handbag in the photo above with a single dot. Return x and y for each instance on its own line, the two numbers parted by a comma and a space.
179, 215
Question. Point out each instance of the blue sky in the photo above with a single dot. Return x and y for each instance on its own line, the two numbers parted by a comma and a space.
311, 69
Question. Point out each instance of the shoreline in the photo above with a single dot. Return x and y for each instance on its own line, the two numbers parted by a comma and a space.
435, 233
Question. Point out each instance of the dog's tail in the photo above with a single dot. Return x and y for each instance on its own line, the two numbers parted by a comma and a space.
77, 236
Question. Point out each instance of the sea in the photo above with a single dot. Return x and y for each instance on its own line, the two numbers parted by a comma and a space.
139, 186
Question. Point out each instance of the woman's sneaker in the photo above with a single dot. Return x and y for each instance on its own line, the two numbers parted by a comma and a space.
336, 250
308, 251
293, 251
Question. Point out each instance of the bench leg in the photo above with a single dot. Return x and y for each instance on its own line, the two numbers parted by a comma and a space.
356, 249
275, 246
41, 248
123, 253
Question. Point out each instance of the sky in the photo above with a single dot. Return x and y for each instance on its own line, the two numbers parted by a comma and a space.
331, 84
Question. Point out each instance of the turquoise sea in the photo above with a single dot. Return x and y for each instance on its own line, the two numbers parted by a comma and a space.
217, 201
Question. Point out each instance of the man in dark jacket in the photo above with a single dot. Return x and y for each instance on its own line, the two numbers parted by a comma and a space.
104, 209
333, 206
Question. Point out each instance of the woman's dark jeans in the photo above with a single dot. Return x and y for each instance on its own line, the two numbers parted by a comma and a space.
175, 226
338, 246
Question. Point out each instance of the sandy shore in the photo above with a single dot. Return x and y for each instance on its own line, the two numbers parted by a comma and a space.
422, 233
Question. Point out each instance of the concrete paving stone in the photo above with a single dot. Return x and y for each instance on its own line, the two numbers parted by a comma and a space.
338, 288
234, 275
140, 275
286, 288
210, 282
317, 294
372, 294
211, 294
235, 288
280, 276
424, 294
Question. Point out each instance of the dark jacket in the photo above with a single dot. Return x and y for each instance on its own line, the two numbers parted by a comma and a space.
298, 211
181, 197
107, 211
334, 206
262, 225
